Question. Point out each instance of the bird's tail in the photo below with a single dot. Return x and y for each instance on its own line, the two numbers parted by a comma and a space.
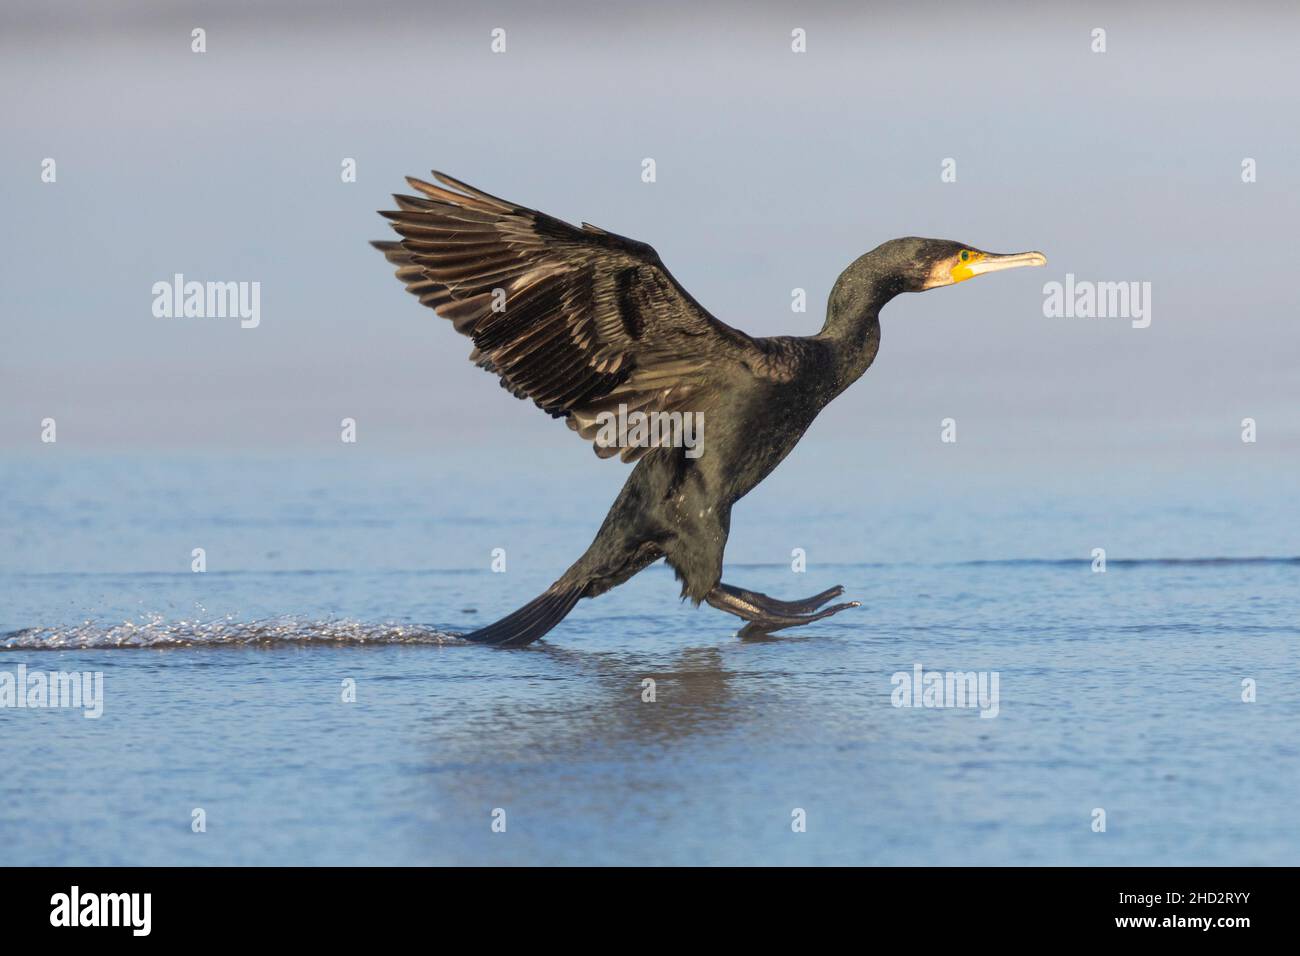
532, 620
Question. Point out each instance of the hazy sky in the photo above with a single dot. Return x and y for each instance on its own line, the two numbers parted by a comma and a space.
774, 171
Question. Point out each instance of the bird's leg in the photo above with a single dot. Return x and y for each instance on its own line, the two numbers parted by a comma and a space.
776, 606
764, 619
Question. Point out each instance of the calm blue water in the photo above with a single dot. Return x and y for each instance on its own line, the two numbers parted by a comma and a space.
1119, 691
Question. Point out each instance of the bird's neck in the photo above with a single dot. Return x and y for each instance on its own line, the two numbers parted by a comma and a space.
853, 319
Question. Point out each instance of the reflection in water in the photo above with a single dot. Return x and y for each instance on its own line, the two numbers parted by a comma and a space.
571, 744
589, 704
692, 695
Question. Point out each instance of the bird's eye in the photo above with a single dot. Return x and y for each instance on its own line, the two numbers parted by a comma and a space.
965, 255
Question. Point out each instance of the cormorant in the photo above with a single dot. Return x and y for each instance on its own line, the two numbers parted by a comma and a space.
589, 324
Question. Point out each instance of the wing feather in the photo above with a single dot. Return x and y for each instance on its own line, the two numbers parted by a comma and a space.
580, 321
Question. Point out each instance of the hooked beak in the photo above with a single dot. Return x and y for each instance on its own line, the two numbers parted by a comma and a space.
995, 262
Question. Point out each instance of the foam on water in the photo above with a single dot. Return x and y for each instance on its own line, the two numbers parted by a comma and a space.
159, 632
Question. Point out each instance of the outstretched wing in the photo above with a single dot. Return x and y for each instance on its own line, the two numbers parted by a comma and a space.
580, 321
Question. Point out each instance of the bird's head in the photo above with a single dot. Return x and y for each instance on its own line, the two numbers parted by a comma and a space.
921, 264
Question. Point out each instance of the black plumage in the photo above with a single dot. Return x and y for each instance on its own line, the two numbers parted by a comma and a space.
588, 324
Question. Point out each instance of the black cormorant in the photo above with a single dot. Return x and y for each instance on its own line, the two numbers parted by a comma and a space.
591, 325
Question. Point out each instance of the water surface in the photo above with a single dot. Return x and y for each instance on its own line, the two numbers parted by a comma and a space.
223, 690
